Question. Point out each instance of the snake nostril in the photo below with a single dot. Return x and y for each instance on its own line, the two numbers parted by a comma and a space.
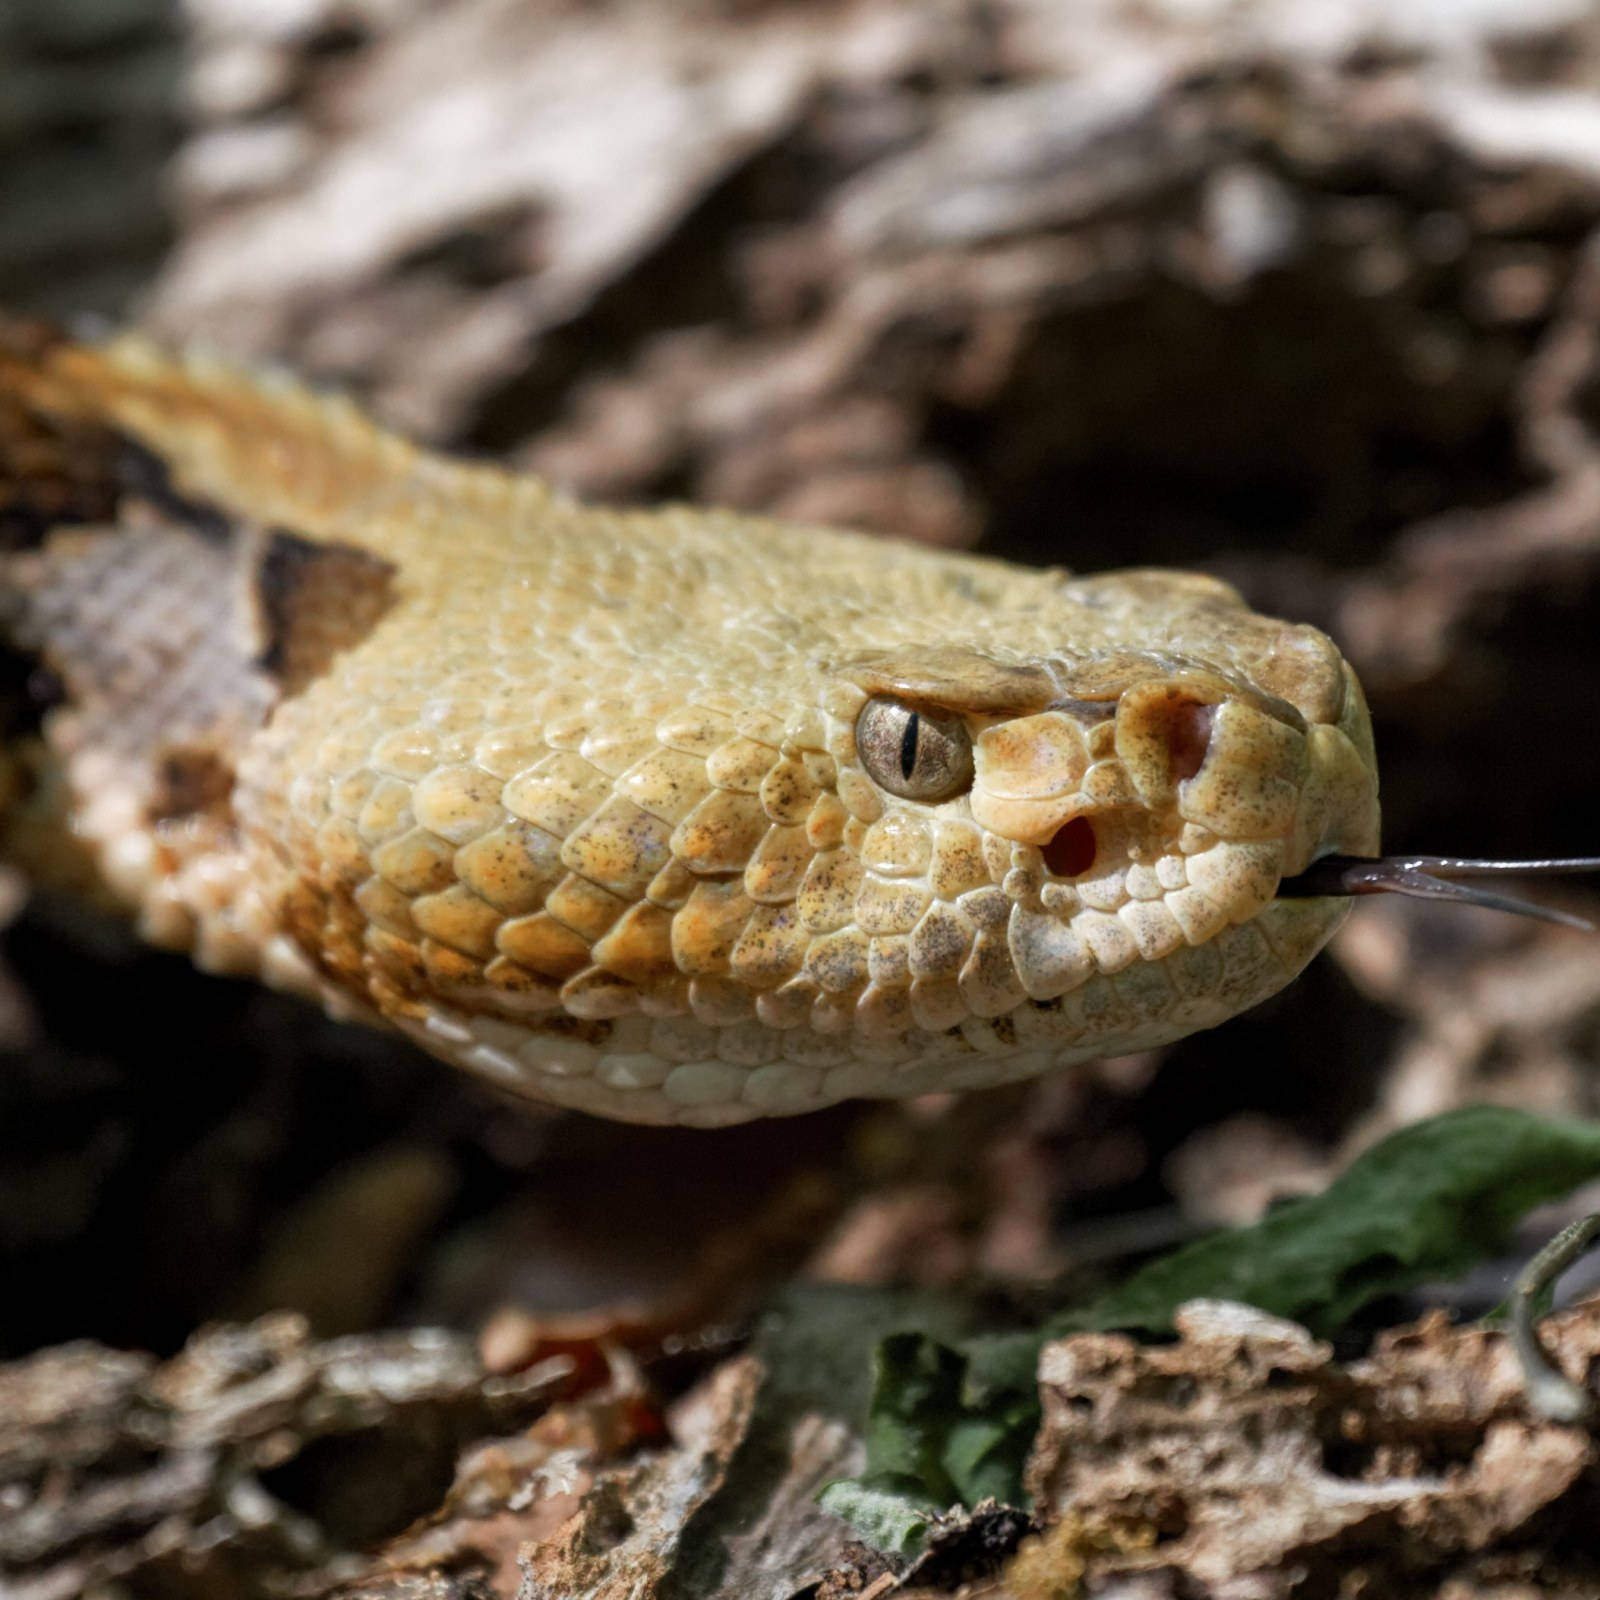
1189, 738
1072, 848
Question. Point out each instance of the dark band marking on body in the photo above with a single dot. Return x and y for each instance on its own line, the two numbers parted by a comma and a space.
142, 473
311, 602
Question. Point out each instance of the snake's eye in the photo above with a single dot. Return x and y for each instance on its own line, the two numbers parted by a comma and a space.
913, 754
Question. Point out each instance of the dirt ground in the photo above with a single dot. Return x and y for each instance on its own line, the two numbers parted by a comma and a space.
1303, 292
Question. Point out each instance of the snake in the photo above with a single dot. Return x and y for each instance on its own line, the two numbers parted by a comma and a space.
671, 815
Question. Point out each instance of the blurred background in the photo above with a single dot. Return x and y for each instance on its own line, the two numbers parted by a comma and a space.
1302, 292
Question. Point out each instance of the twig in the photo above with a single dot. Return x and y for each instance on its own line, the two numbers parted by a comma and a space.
1550, 1392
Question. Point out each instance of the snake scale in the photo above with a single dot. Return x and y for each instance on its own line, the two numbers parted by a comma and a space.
672, 815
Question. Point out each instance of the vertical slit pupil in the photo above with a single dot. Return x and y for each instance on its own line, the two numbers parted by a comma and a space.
908, 748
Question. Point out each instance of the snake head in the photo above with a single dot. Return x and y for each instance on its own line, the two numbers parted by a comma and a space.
1139, 804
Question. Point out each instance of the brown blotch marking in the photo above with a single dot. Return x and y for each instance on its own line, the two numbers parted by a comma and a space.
56, 470
313, 601
59, 465
53, 479
143, 474
189, 781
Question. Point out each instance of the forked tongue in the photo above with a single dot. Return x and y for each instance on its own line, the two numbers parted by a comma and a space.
1432, 878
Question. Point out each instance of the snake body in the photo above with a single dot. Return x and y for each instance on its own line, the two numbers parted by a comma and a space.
584, 800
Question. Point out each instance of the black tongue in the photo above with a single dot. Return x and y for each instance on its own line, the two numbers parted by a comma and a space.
1430, 878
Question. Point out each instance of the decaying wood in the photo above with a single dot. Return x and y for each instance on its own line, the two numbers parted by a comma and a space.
1246, 1452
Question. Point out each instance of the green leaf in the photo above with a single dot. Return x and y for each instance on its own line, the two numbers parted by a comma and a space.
1428, 1202
891, 1519
916, 1391
916, 1400
956, 1420
816, 1344
985, 1444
